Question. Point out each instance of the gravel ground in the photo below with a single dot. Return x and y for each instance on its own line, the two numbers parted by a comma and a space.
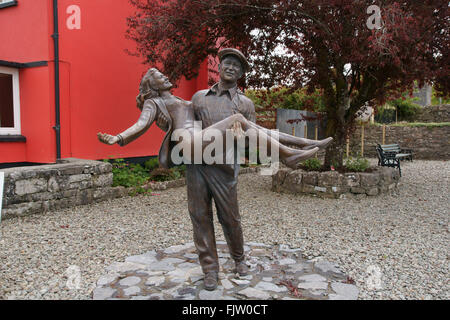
393, 246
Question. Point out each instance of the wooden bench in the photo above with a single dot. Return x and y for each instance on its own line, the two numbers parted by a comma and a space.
389, 155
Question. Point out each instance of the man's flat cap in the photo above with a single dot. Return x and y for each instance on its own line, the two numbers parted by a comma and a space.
234, 52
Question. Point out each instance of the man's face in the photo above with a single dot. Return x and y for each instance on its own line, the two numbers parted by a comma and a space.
230, 69
160, 82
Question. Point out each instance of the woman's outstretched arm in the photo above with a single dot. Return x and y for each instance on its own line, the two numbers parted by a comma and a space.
148, 115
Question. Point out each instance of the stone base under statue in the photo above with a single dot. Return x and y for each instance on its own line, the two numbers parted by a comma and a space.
276, 273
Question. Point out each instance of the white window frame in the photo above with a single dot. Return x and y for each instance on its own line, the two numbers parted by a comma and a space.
16, 102
5, 1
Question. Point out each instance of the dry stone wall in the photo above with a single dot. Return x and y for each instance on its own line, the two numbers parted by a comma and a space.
332, 184
74, 182
440, 113
427, 143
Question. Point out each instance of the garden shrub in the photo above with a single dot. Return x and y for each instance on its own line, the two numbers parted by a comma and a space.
312, 164
129, 175
162, 174
358, 165
152, 164
179, 171
436, 100
406, 108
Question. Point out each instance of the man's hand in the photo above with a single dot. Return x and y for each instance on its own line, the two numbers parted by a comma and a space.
162, 122
237, 130
107, 138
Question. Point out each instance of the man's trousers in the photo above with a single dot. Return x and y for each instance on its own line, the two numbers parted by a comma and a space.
218, 182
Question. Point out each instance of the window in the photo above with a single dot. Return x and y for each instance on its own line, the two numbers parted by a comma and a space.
7, 3
9, 101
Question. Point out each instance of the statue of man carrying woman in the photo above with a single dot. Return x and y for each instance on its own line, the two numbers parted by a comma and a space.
222, 109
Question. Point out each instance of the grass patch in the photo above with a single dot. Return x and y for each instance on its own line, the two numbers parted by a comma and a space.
415, 124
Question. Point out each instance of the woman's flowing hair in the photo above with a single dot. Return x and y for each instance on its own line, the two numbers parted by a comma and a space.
145, 89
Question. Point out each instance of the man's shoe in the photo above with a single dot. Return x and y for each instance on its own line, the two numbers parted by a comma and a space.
211, 280
241, 268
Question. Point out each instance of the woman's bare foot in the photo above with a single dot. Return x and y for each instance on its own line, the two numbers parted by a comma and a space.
321, 144
300, 155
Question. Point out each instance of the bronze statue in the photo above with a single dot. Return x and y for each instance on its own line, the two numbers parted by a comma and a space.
222, 107
161, 103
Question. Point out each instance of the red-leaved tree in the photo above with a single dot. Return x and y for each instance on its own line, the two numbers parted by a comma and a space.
353, 51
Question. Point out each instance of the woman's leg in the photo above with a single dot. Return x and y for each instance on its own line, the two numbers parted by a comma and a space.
289, 156
288, 139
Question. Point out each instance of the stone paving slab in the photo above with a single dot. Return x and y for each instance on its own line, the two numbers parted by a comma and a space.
276, 273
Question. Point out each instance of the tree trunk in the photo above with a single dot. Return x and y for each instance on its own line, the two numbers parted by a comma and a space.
337, 128
338, 104
334, 154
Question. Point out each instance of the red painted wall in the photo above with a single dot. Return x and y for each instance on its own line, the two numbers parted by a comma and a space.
38, 113
99, 80
25, 37
24, 31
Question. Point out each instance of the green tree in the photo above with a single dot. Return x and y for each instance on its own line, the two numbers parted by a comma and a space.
352, 54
